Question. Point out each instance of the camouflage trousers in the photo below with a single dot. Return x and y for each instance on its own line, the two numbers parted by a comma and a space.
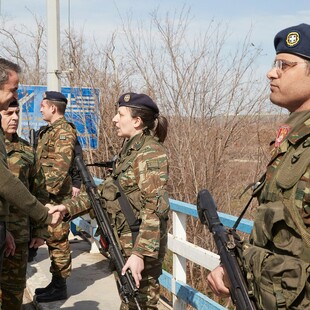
59, 250
148, 293
13, 278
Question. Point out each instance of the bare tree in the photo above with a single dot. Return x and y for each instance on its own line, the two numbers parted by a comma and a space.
218, 135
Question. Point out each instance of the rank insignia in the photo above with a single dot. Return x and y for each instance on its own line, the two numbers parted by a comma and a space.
281, 134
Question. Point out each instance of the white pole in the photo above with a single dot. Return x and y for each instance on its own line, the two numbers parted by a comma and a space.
53, 45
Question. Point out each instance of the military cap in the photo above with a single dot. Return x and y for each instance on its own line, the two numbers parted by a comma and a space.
141, 101
14, 104
55, 96
294, 40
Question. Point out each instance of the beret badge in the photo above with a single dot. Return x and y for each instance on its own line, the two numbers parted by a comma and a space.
292, 39
127, 98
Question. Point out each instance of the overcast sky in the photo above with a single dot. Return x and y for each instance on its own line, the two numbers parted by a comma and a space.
100, 18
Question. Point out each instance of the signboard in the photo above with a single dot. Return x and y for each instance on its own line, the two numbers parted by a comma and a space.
82, 110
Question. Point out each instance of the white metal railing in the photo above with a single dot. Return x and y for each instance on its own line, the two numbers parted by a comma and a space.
182, 251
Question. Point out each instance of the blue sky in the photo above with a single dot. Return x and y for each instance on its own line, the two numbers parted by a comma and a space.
100, 18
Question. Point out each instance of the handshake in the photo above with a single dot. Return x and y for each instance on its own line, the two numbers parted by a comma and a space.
58, 212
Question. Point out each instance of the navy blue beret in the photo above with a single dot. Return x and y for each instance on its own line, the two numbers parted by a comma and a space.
55, 96
141, 101
294, 40
14, 104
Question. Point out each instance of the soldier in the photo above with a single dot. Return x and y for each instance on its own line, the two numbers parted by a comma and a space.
74, 173
141, 172
55, 152
21, 161
12, 190
277, 257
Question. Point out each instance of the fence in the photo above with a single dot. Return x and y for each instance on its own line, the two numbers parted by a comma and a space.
182, 251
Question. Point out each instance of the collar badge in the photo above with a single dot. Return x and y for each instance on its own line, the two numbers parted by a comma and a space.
281, 134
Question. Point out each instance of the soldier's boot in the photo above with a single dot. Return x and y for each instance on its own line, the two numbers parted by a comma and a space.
56, 291
41, 290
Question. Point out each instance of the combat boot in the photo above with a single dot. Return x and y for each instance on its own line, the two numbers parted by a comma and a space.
56, 290
41, 290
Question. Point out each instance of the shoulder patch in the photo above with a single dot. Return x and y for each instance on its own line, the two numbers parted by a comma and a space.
152, 164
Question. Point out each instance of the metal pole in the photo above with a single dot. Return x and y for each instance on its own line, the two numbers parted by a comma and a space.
53, 45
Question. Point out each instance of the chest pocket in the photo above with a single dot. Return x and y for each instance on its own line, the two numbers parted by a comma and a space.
294, 166
127, 175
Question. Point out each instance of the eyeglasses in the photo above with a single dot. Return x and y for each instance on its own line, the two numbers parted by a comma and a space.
283, 65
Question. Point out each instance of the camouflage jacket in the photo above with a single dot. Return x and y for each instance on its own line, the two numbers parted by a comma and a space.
142, 171
283, 217
13, 192
4, 206
22, 163
55, 152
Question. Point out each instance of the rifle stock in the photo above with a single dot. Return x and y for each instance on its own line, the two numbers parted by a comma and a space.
126, 284
226, 244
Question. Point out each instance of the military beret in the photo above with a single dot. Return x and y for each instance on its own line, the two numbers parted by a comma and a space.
141, 101
14, 104
55, 96
294, 40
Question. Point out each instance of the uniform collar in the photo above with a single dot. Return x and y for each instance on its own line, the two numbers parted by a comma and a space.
58, 121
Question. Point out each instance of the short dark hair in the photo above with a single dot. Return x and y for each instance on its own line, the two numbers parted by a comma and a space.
5, 66
60, 105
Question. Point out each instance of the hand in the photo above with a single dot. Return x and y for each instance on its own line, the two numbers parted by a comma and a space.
75, 191
10, 246
136, 265
36, 242
217, 280
58, 208
56, 218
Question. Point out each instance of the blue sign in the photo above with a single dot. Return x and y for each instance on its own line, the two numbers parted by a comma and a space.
82, 110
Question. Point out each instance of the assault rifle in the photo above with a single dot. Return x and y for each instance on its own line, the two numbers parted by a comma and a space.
126, 284
228, 245
32, 138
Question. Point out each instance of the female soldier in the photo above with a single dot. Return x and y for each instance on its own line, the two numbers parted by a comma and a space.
141, 173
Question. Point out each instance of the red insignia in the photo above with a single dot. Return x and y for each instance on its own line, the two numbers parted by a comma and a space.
281, 134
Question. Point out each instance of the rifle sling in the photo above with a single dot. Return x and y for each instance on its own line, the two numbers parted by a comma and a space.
255, 187
132, 221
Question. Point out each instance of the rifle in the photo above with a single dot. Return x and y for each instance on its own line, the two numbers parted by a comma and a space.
126, 284
32, 138
227, 242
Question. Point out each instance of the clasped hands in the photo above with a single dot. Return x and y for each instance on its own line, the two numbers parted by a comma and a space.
58, 212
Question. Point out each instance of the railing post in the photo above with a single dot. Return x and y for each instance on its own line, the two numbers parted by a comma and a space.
179, 262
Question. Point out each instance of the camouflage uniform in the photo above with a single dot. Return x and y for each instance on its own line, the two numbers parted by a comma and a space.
55, 153
279, 254
142, 171
21, 162
13, 192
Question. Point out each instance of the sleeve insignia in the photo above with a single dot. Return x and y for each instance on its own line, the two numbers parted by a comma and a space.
152, 164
